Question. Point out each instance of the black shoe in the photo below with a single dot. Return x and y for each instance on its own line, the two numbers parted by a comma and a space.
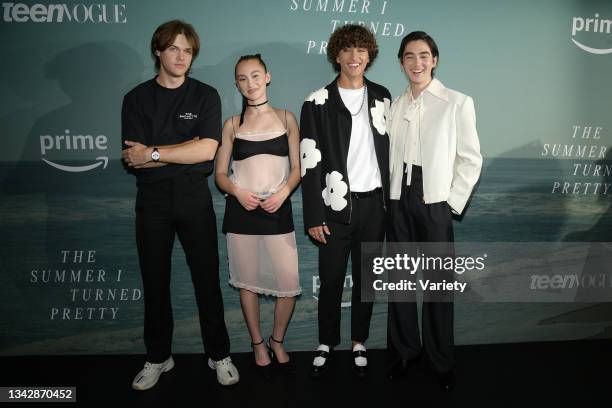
400, 368
287, 368
360, 371
266, 370
447, 381
315, 370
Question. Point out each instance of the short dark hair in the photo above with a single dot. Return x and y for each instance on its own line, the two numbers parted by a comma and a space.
351, 35
165, 35
420, 35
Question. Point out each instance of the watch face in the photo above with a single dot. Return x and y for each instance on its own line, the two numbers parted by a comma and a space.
155, 155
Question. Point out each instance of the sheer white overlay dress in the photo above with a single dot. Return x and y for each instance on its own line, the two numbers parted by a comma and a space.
261, 246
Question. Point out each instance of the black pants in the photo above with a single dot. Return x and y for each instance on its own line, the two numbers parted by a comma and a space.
179, 206
367, 224
411, 220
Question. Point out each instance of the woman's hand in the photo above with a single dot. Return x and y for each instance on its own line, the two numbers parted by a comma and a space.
274, 202
247, 199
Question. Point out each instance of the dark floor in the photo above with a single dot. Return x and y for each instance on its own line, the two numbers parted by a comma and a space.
558, 374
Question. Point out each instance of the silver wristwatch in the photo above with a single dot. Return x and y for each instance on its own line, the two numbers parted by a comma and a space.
155, 154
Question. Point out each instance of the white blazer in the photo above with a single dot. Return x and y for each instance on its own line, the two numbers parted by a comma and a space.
450, 149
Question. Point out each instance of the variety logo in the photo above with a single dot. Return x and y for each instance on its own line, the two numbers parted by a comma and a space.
591, 25
59, 13
74, 142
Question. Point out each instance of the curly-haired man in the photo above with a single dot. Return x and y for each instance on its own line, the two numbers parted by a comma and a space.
345, 173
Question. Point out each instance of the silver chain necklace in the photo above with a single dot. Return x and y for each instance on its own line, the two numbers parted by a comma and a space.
362, 102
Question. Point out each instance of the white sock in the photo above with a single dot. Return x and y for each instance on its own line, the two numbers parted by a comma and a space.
360, 361
319, 361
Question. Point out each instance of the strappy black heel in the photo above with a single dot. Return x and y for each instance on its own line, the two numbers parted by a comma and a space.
287, 367
266, 370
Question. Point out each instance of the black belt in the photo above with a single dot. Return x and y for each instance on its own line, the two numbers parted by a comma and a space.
357, 195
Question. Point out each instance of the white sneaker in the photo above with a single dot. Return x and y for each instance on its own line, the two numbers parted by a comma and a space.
148, 376
227, 373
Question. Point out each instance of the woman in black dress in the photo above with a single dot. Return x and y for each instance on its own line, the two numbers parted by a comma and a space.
263, 145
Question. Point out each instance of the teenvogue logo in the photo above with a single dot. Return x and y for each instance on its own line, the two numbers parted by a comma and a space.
591, 25
60, 13
74, 142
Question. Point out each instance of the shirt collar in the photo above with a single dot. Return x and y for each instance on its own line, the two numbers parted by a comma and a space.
412, 100
435, 88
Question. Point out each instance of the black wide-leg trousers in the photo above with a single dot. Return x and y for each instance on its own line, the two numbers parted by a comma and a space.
413, 221
367, 224
180, 206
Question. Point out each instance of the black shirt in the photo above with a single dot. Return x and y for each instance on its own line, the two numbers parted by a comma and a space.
157, 116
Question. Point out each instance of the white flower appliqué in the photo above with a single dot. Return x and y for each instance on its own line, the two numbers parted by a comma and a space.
318, 97
380, 112
335, 190
309, 155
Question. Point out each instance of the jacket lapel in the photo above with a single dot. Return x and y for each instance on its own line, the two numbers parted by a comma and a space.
382, 148
342, 125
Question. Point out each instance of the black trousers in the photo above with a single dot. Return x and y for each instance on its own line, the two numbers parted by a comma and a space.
179, 206
367, 224
411, 220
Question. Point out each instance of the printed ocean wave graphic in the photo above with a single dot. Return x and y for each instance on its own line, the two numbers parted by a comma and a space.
529, 203
186, 337
33, 209
495, 323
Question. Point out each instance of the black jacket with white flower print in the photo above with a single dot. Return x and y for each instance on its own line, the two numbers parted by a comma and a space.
325, 136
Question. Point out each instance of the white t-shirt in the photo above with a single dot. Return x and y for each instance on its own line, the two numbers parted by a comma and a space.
361, 163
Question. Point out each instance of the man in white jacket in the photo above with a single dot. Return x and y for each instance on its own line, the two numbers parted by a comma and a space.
434, 164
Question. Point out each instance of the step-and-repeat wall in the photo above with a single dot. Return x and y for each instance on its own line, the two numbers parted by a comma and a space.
539, 73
